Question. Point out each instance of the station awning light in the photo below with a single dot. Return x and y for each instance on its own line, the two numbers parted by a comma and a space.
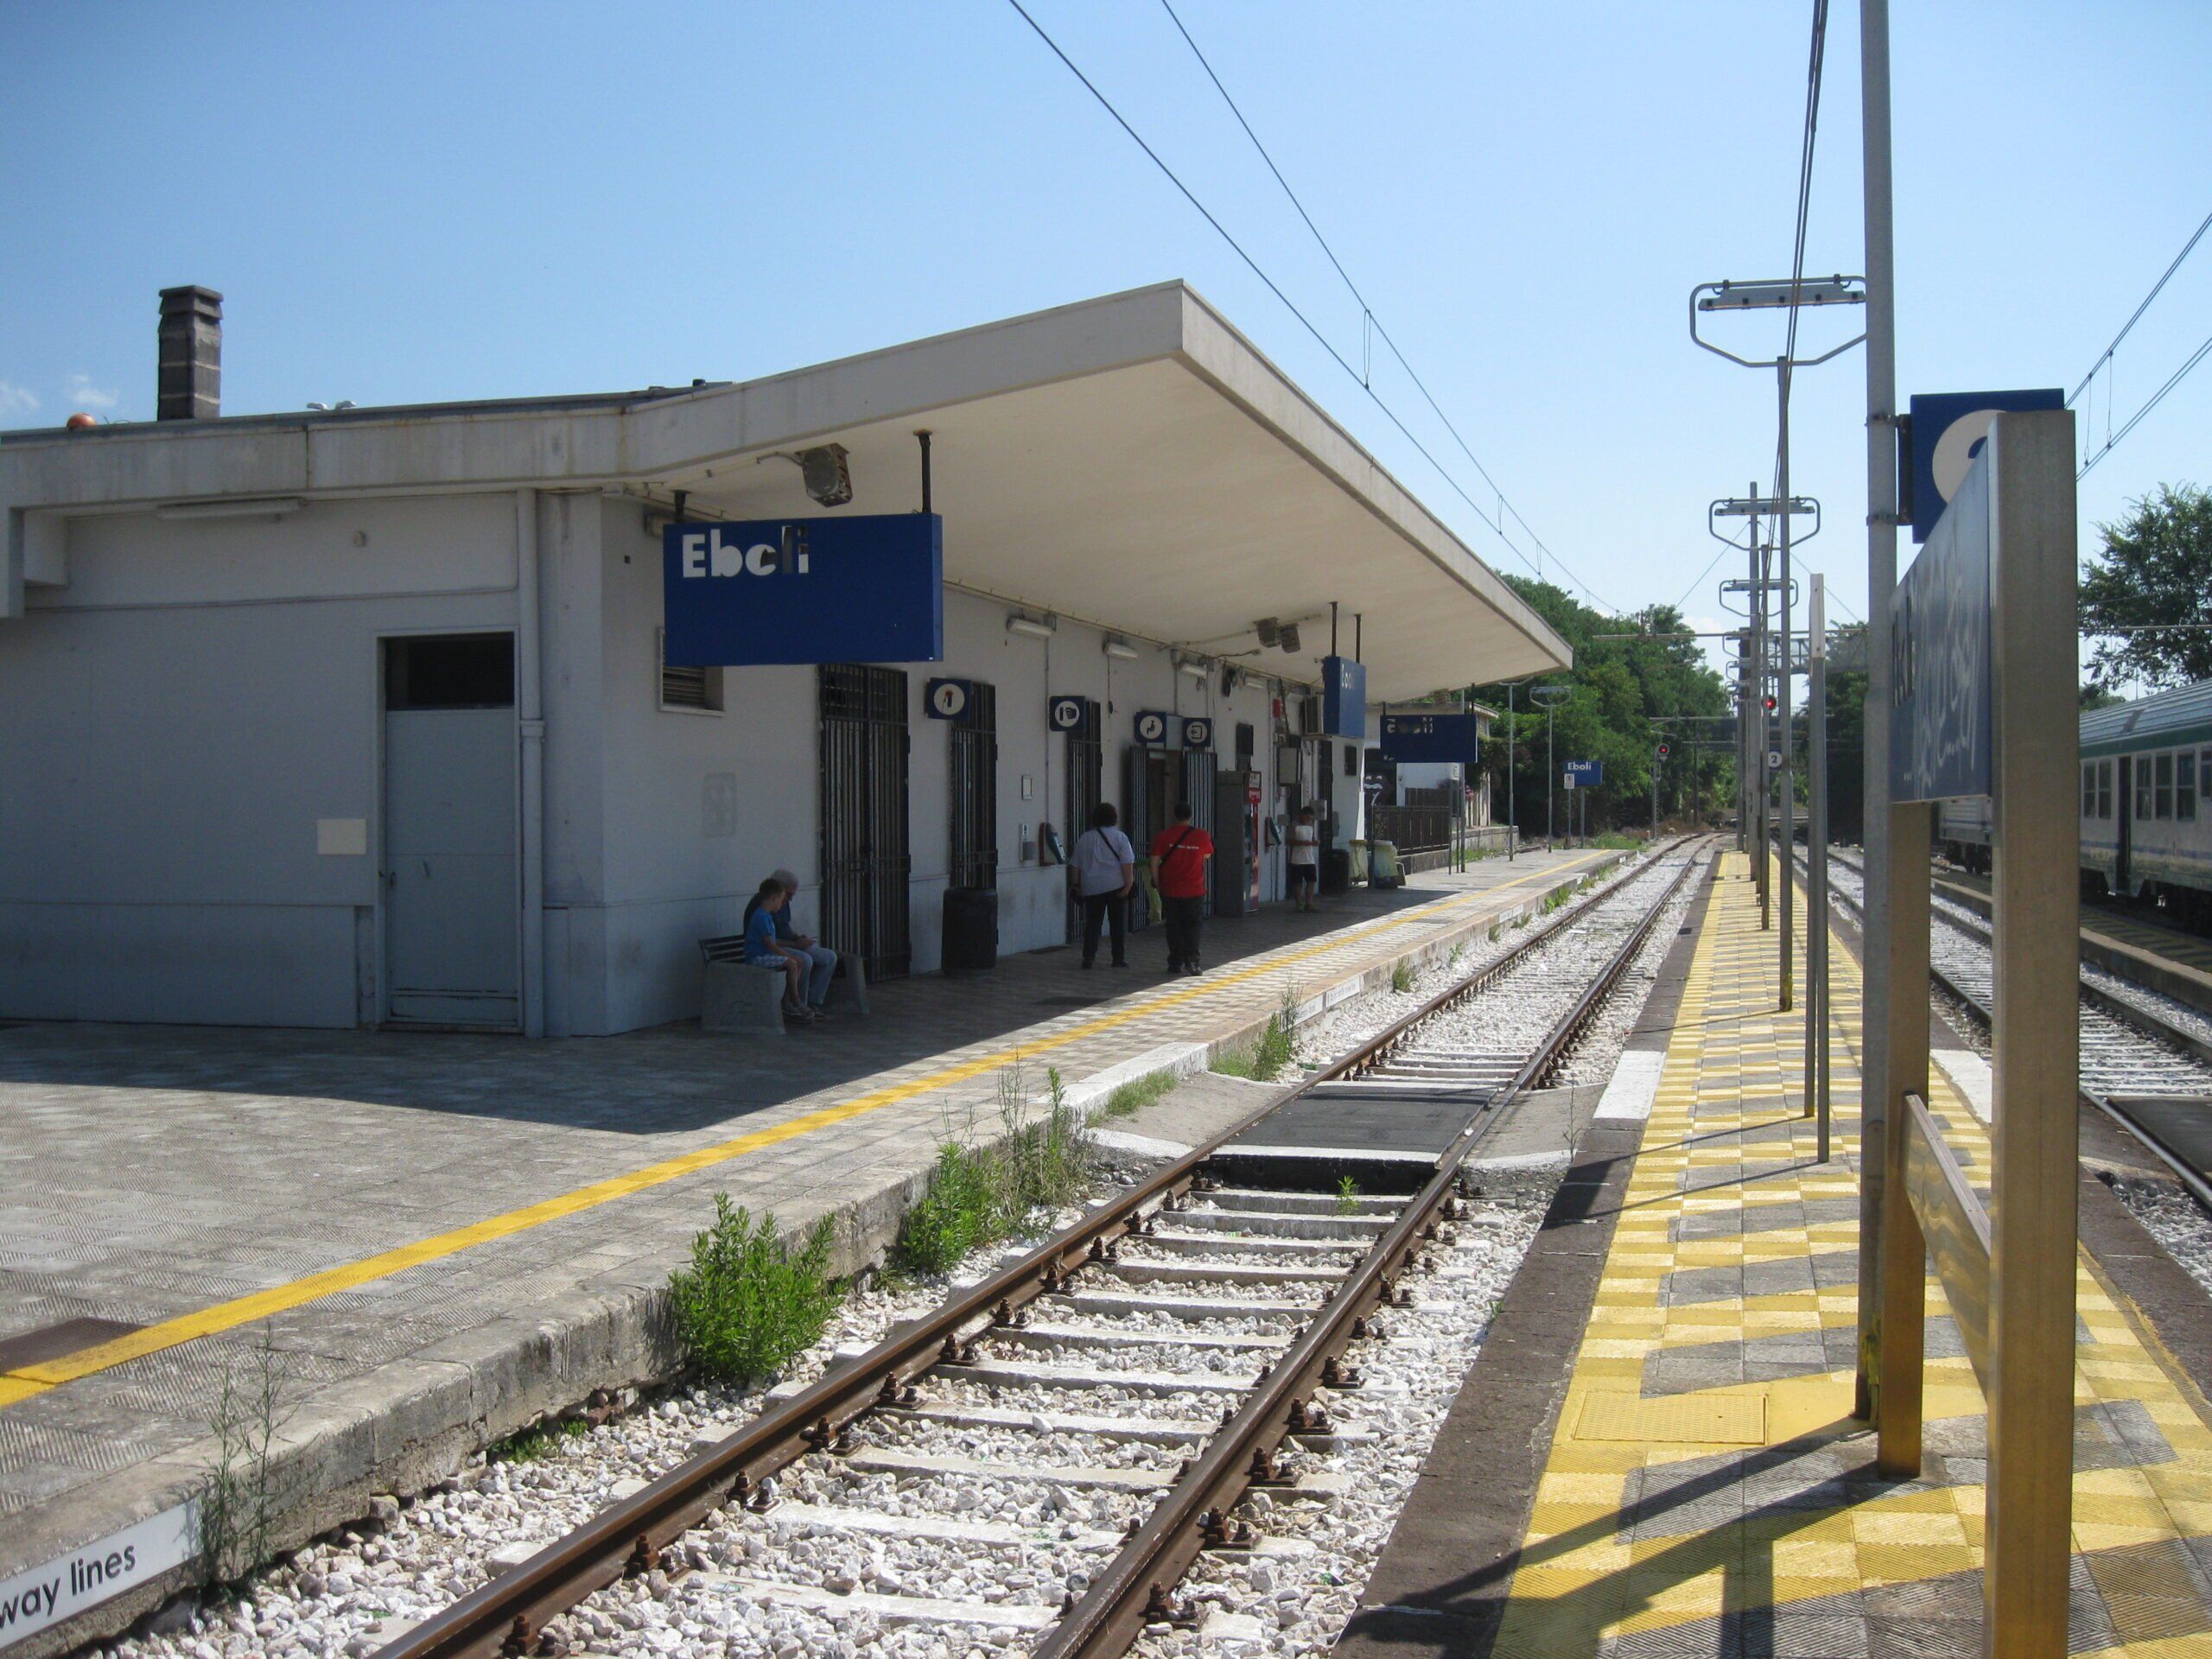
1762, 296
1766, 506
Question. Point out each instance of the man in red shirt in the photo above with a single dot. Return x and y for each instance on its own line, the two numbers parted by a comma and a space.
1178, 863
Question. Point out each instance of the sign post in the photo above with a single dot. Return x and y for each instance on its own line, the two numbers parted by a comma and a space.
1987, 610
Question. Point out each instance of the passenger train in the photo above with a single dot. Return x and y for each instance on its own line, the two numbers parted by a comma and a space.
2145, 805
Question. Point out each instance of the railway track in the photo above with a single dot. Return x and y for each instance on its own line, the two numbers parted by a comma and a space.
2147, 1068
1101, 1407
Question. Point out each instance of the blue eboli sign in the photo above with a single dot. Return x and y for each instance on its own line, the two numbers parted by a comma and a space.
869, 589
1940, 732
1585, 774
1421, 738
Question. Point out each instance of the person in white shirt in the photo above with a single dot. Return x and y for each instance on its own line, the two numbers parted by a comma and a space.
1304, 859
1105, 870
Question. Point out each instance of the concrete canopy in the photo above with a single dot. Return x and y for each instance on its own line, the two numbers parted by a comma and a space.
1130, 461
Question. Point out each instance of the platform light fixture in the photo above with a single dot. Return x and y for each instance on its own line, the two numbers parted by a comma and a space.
1766, 296
1119, 649
1032, 628
827, 470
267, 506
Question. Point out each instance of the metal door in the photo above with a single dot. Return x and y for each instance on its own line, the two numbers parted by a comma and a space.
2124, 796
452, 955
974, 786
865, 865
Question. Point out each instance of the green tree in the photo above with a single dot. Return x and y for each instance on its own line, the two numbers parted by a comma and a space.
2155, 571
1625, 695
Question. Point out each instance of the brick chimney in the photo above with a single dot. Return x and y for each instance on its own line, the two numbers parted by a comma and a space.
191, 382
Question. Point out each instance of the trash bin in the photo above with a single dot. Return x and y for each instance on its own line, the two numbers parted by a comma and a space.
1385, 872
971, 930
1336, 869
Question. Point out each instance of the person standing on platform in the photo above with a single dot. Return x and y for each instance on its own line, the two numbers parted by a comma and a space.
1304, 859
1179, 855
1105, 867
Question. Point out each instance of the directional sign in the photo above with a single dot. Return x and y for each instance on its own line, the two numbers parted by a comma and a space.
948, 699
1152, 726
1431, 737
1198, 732
1948, 431
1585, 774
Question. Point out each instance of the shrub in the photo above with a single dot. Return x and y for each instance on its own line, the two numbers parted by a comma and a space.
1401, 976
748, 1303
977, 1195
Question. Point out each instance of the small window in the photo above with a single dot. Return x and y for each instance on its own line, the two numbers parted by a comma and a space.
2142, 787
2162, 792
1351, 759
2104, 789
686, 690
2185, 785
2088, 789
2204, 773
449, 671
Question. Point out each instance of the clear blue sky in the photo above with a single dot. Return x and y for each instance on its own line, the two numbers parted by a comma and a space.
411, 202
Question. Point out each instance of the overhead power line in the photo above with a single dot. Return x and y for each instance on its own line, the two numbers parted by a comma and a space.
2155, 399
2136, 316
1367, 311
1495, 525
1813, 68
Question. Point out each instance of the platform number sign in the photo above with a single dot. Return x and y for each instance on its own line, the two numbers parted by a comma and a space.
1064, 713
948, 699
1198, 732
1152, 727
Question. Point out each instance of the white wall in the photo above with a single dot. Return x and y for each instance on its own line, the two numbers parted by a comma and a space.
172, 724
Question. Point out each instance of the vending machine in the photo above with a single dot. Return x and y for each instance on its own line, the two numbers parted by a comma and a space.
1236, 842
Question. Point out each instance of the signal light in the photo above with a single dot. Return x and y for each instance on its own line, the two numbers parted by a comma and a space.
1769, 705
1664, 751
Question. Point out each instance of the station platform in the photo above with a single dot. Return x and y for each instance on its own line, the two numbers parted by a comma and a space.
445, 1237
1655, 1454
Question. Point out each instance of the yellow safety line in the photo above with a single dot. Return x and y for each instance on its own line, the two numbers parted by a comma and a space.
27, 1381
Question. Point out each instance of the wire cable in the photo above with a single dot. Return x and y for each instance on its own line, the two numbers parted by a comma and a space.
2136, 316
1819, 55
1495, 525
2156, 398
1369, 320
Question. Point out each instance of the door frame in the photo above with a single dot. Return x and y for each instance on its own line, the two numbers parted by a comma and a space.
380, 843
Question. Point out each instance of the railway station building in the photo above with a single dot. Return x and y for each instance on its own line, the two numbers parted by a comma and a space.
364, 716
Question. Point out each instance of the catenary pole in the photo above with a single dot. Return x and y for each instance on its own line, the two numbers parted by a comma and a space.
1816, 864
1781, 699
1881, 581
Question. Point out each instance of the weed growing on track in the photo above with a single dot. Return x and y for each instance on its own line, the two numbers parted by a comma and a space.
536, 1443
232, 1524
749, 1303
1263, 1062
1347, 1196
1402, 977
978, 1194
1135, 1096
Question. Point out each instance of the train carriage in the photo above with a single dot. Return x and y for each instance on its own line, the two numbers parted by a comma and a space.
2145, 804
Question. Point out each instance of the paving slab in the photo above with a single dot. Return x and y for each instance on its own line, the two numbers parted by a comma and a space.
440, 1237
1654, 1453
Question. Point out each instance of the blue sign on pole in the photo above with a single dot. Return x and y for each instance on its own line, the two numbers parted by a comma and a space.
1432, 737
1585, 774
867, 590
1948, 428
1343, 697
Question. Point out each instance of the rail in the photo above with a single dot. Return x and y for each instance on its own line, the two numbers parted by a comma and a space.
506, 1615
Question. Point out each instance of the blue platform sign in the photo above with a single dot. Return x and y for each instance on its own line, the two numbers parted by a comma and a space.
1343, 697
867, 590
1198, 731
1585, 774
1948, 428
1067, 714
1422, 738
1152, 725
948, 699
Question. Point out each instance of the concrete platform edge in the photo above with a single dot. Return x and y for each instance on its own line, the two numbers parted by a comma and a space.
417, 1420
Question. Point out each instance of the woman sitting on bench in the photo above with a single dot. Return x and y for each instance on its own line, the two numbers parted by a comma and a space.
764, 950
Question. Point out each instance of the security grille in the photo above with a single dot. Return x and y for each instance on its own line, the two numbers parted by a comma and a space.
975, 791
1197, 787
865, 865
1086, 771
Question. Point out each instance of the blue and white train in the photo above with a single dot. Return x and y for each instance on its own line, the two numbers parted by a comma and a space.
2145, 805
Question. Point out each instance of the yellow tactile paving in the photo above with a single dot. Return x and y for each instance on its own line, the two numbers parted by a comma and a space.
1728, 1298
